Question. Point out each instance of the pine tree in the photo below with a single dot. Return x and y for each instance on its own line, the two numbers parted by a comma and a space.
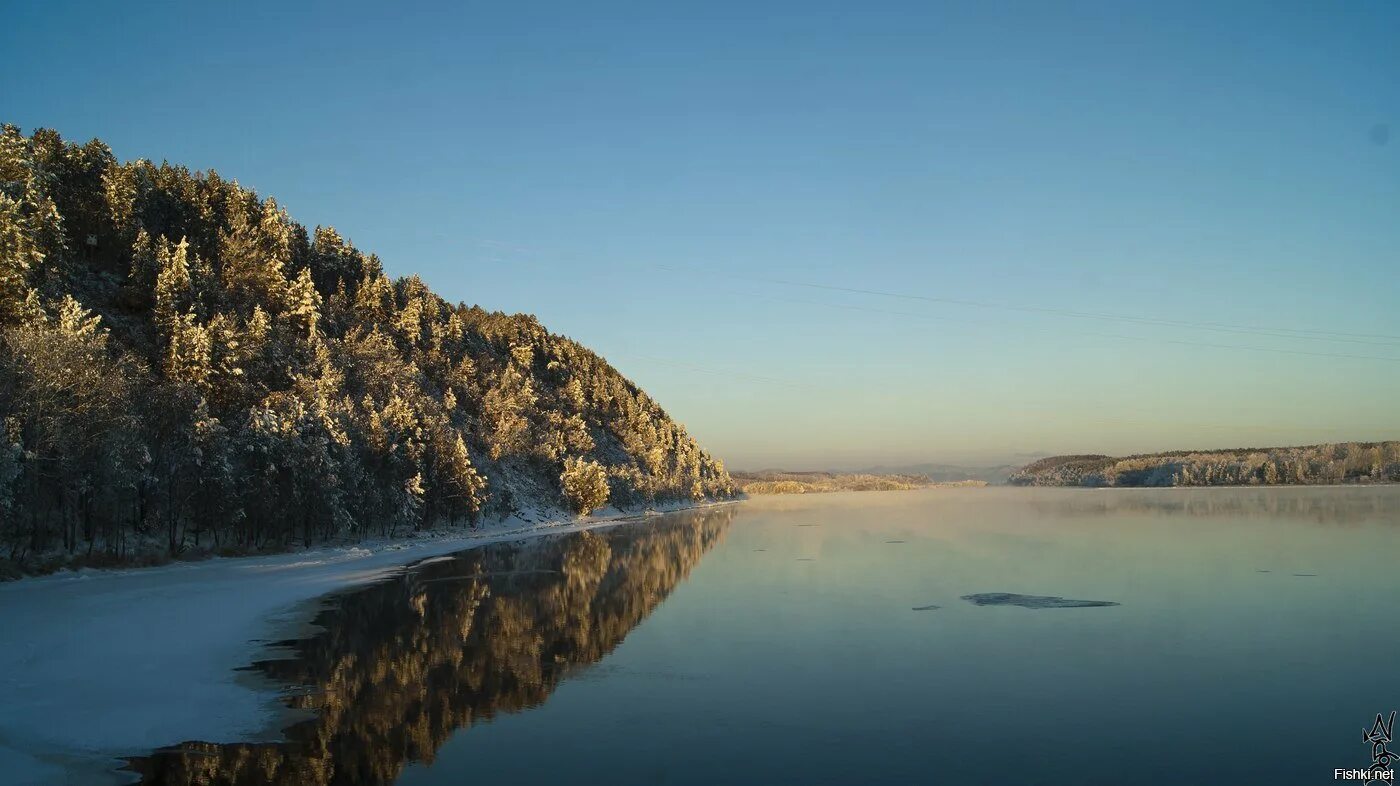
585, 485
174, 292
333, 261
504, 410
18, 254
455, 489
31, 229
255, 254
188, 355
304, 303
145, 265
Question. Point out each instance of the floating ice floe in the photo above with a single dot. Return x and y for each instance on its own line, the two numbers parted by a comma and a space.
1032, 601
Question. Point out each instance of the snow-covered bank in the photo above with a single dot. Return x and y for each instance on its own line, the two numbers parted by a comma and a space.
96, 665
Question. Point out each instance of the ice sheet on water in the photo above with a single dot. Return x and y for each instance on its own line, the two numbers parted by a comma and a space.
1032, 601
101, 664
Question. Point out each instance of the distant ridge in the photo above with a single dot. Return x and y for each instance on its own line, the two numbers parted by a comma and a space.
948, 473
774, 481
1347, 462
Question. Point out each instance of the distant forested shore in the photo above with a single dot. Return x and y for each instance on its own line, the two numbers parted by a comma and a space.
779, 482
1345, 462
184, 369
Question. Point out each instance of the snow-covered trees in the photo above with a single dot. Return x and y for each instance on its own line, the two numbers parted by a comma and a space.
304, 303
71, 410
18, 254
30, 225
455, 489
174, 294
505, 410
181, 364
585, 485
1350, 462
255, 251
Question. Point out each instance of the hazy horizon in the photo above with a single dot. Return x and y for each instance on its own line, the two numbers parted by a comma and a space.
825, 237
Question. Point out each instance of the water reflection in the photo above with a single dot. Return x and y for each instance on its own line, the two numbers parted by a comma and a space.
403, 664
1331, 506
1324, 505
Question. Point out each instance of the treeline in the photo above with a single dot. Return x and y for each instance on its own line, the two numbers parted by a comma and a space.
777, 482
1348, 462
183, 364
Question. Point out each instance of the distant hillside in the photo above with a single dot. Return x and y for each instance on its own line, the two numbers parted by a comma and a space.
1348, 462
771, 481
948, 473
183, 366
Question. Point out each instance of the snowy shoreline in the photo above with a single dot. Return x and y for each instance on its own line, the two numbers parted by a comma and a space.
98, 664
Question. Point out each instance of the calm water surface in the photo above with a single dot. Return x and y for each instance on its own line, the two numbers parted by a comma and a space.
777, 641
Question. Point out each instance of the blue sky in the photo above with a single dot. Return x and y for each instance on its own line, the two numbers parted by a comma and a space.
667, 182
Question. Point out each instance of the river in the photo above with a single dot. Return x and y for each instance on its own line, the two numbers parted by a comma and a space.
959, 636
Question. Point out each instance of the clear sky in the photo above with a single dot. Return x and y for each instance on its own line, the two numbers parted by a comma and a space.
1067, 218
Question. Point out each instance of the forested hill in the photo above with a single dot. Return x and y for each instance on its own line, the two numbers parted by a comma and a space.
1347, 462
772, 481
182, 364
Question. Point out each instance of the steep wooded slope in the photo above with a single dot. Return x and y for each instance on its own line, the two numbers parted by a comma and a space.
182, 363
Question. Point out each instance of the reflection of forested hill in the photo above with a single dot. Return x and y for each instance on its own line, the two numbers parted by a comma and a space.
403, 664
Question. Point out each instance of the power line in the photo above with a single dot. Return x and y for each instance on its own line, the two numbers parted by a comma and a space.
720, 372
1307, 334
1273, 332
1137, 421
1133, 421
1292, 334
1149, 339
1221, 327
